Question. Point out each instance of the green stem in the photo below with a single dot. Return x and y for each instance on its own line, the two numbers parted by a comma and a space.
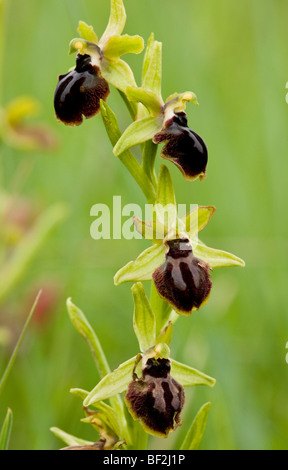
149, 153
132, 107
127, 158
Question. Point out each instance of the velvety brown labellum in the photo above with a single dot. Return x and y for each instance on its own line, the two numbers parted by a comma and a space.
183, 147
183, 280
156, 399
79, 92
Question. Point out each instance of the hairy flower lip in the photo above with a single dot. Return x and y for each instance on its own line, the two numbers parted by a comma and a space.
183, 280
183, 147
156, 399
78, 93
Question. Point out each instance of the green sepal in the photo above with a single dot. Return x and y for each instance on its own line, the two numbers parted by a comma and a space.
118, 74
196, 431
188, 377
6, 430
112, 384
87, 32
116, 22
152, 67
118, 45
144, 321
69, 439
143, 267
216, 258
197, 219
148, 98
138, 132
153, 231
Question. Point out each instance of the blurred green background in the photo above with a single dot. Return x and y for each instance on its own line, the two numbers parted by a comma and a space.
233, 55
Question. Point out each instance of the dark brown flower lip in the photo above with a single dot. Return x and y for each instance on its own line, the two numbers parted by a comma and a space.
78, 93
184, 147
183, 280
156, 399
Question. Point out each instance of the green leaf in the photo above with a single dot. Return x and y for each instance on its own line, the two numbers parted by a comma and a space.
118, 74
216, 258
196, 431
152, 67
143, 267
83, 327
119, 45
144, 321
17, 347
148, 98
197, 219
69, 439
87, 32
153, 231
116, 22
138, 132
114, 383
189, 377
127, 158
6, 430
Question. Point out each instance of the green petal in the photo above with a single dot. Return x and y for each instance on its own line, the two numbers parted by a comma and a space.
148, 98
189, 377
118, 74
143, 267
138, 132
87, 32
116, 22
216, 258
114, 383
144, 321
119, 45
195, 433
153, 231
197, 219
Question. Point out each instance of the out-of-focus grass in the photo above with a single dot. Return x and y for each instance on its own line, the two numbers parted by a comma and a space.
234, 56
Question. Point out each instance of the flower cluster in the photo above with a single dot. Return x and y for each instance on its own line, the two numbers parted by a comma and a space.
178, 263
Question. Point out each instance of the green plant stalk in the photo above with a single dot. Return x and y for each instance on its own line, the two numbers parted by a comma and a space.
18, 344
127, 158
149, 153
